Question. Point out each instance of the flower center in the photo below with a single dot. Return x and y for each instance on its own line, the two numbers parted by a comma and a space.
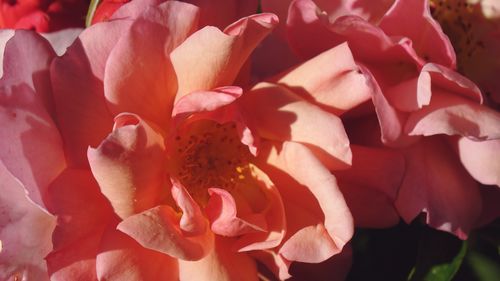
208, 154
456, 17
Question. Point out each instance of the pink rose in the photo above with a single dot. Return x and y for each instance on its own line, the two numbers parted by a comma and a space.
426, 111
156, 168
42, 16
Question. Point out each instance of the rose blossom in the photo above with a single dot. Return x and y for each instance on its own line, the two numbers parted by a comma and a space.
42, 16
166, 171
425, 110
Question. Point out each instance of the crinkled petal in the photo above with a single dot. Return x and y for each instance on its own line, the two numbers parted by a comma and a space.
227, 51
222, 263
287, 117
412, 19
122, 258
436, 184
82, 115
481, 159
339, 86
129, 165
25, 232
318, 219
206, 100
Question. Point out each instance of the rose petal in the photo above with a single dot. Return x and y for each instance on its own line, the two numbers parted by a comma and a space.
319, 222
82, 115
221, 13
288, 117
412, 19
25, 232
122, 258
340, 75
130, 165
61, 40
221, 263
480, 158
228, 52
435, 183
206, 100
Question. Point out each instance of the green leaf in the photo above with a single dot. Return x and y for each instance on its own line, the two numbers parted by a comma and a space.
440, 256
485, 268
91, 11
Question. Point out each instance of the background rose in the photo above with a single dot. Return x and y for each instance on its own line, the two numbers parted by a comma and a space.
410, 60
43, 16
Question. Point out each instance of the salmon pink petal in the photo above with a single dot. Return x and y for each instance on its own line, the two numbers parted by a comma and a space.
139, 77
82, 216
129, 165
132, 9
453, 115
412, 94
412, 19
222, 263
274, 262
435, 183
319, 221
82, 115
33, 149
480, 158
192, 220
229, 50
287, 117
25, 232
222, 212
122, 258
206, 100
158, 229
340, 75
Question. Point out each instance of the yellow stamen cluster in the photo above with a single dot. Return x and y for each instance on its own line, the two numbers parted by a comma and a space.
208, 154
457, 17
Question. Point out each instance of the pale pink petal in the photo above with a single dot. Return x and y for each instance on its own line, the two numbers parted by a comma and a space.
129, 165
227, 51
83, 214
82, 115
25, 232
134, 9
158, 229
5, 35
453, 115
339, 86
222, 263
481, 159
436, 184
139, 77
412, 94
412, 19
122, 258
206, 100
287, 117
318, 219
32, 149
61, 40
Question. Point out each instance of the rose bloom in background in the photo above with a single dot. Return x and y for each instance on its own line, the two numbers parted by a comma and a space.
420, 108
139, 159
43, 16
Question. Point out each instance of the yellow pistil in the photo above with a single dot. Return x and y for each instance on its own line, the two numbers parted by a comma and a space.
457, 18
207, 154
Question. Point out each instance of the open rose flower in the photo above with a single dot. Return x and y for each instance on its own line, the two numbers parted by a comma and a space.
155, 167
425, 110
43, 16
